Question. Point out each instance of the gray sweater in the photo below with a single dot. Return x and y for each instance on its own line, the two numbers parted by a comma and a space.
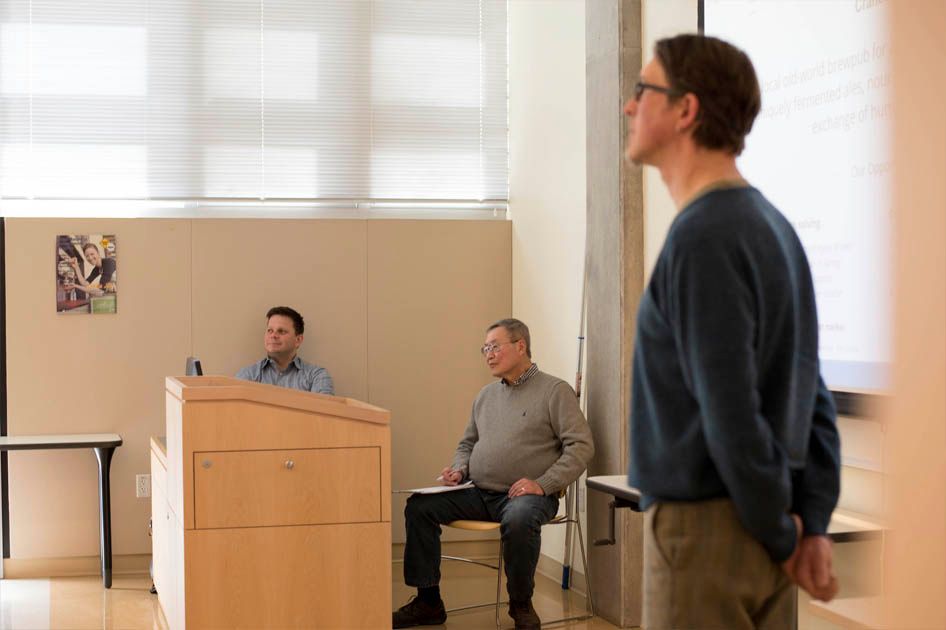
534, 430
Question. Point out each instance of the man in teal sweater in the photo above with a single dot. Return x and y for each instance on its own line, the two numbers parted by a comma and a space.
733, 439
527, 440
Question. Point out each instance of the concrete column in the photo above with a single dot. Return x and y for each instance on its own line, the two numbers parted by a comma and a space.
615, 282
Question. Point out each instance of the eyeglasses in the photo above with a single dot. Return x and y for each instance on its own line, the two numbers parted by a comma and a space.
640, 86
493, 348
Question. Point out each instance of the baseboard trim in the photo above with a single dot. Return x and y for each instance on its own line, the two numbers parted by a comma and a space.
23, 568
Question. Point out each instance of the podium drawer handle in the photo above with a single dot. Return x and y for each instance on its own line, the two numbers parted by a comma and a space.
290, 464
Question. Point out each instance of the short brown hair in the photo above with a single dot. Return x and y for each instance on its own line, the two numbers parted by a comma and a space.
723, 80
297, 322
517, 330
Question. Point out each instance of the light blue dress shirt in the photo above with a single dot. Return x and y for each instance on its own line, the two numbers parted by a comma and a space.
298, 375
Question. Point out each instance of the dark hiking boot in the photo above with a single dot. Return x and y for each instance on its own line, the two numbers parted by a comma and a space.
417, 612
524, 615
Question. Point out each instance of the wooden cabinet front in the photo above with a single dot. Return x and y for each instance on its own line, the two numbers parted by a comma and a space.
287, 487
317, 576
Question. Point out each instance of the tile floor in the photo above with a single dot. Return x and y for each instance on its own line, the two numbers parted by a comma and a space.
79, 603
83, 604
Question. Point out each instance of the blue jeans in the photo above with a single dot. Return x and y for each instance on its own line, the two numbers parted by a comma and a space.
520, 518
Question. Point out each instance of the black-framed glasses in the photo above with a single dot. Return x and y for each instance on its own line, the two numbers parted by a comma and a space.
640, 86
493, 348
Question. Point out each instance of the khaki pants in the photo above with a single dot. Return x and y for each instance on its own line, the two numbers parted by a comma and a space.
703, 570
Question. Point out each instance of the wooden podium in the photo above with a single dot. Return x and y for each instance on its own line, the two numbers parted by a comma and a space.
271, 508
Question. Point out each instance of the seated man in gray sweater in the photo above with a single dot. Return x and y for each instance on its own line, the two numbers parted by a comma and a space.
527, 440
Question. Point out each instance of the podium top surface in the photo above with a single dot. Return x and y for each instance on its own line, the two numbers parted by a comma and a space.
206, 388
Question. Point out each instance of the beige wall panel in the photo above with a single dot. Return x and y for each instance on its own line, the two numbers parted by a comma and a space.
433, 287
202, 287
90, 374
242, 268
915, 553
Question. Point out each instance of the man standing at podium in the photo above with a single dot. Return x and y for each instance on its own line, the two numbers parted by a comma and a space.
526, 441
282, 365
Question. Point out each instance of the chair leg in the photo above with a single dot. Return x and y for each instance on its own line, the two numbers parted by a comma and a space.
589, 600
584, 565
495, 567
499, 584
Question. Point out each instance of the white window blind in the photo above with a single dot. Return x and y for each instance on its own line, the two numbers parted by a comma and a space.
253, 99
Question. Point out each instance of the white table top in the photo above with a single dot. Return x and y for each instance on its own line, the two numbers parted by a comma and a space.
59, 440
614, 484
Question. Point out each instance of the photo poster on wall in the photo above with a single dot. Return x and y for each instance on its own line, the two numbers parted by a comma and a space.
86, 273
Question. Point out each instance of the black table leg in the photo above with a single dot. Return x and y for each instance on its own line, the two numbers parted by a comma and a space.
104, 455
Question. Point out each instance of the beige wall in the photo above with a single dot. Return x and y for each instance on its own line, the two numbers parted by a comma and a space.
547, 175
433, 288
395, 309
915, 571
317, 267
547, 185
85, 374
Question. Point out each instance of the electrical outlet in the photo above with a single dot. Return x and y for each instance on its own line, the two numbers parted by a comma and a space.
142, 486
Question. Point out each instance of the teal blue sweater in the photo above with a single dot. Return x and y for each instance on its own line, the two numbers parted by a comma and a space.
727, 397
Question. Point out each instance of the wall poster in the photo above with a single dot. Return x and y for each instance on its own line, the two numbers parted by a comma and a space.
86, 273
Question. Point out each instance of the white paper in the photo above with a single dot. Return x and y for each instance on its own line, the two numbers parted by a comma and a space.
437, 489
